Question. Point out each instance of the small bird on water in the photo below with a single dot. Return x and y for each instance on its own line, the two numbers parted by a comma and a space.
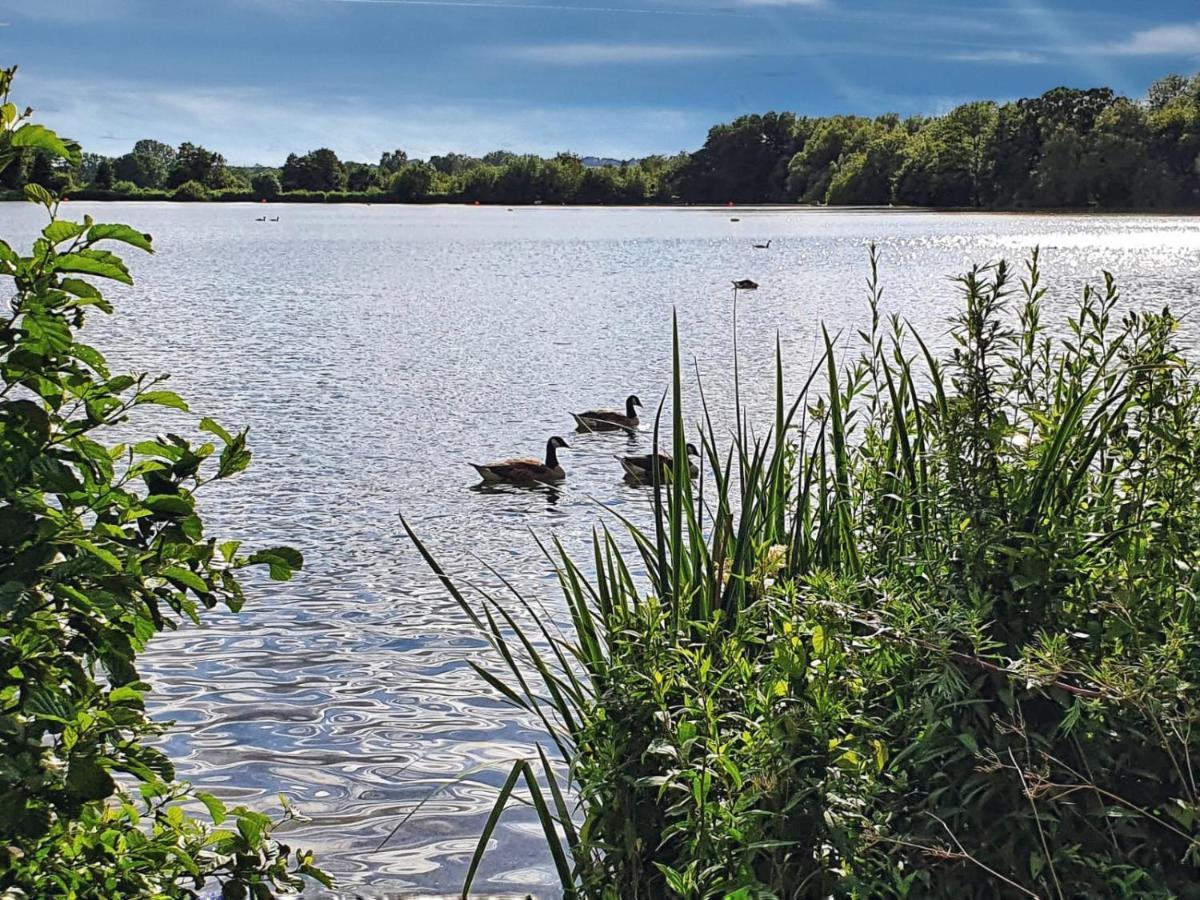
526, 471
745, 284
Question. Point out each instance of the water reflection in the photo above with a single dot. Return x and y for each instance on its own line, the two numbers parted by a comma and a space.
372, 351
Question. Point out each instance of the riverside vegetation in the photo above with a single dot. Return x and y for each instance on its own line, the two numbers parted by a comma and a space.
935, 634
101, 547
1068, 148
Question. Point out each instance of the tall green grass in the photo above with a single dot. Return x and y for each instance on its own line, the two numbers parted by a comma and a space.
934, 634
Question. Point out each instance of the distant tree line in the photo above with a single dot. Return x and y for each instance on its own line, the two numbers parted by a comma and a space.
1067, 148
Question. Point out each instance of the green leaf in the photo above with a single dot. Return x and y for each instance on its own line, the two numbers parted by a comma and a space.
39, 137
88, 780
35, 193
94, 262
215, 807
122, 233
163, 398
207, 424
186, 578
282, 561
59, 230
106, 556
169, 504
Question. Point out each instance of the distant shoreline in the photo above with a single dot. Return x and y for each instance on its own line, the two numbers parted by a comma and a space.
87, 197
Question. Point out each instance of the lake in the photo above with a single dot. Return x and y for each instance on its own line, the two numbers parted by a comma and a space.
374, 351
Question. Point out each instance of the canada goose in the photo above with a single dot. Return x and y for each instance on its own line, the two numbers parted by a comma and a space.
609, 420
735, 220
261, 219
276, 219
640, 467
745, 284
527, 471
766, 246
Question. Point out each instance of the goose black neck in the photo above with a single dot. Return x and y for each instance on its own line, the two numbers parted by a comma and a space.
551, 455
629, 410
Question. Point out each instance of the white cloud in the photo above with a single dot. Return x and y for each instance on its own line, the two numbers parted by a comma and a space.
1164, 40
594, 54
1009, 57
255, 125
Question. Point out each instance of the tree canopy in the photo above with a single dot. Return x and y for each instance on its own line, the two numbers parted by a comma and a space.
1068, 148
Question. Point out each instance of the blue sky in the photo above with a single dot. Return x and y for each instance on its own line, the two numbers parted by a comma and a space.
256, 79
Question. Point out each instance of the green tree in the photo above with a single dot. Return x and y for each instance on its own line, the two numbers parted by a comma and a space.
866, 177
413, 182
101, 546
265, 185
103, 178
745, 161
164, 153
143, 169
361, 176
392, 161
319, 170
195, 163
1167, 90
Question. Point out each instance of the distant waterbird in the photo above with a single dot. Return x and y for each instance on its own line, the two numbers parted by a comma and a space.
766, 246
610, 419
526, 471
735, 220
745, 284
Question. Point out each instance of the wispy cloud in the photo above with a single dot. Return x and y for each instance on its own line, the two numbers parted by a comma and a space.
1164, 40
1004, 57
601, 54
258, 125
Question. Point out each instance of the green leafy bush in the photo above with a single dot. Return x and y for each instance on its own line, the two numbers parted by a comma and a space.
101, 547
190, 190
940, 640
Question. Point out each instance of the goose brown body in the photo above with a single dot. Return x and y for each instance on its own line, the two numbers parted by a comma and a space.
610, 419
526, 471
642, 467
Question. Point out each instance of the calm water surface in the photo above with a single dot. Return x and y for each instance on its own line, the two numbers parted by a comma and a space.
373, 351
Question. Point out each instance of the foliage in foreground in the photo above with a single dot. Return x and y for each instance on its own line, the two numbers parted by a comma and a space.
101, 547
938, 641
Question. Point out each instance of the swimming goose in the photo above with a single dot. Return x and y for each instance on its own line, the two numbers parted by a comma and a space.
640, 467
745, 284
766, 246
527, 471
608, 419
